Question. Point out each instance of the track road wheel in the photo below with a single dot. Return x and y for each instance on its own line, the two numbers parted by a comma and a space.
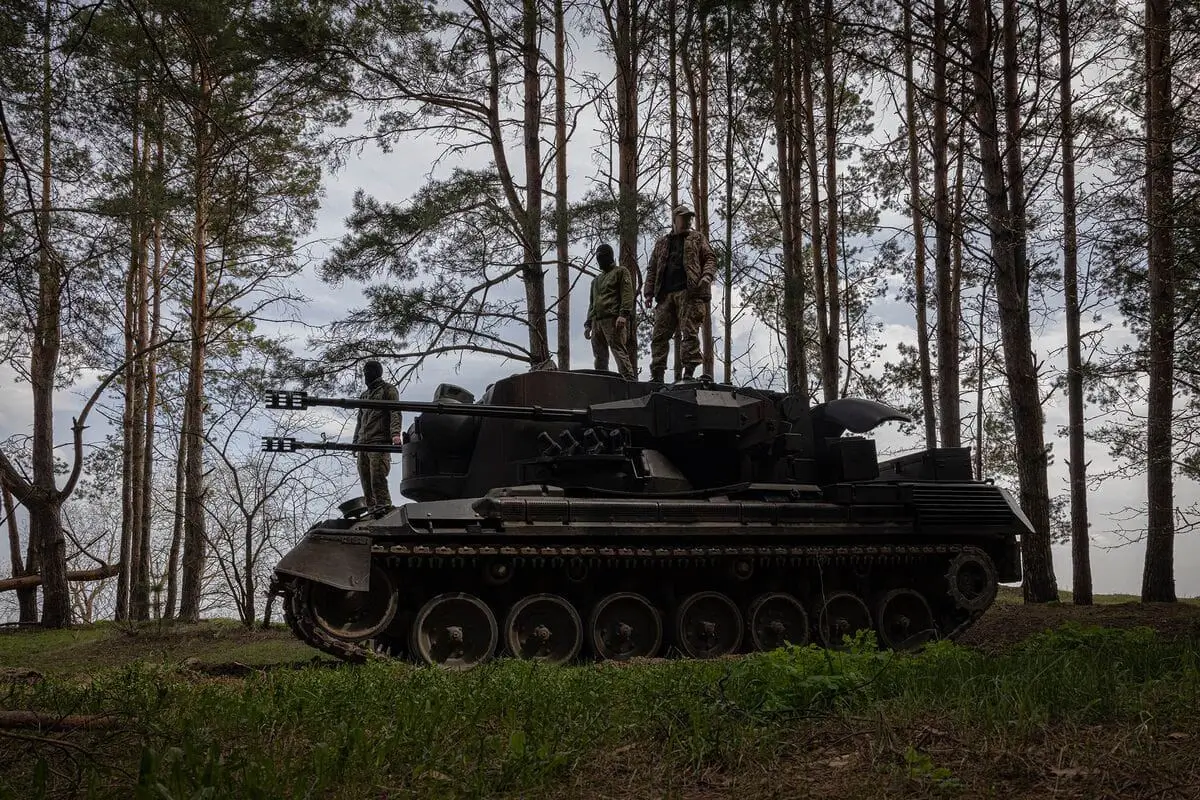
354, 616
454, 630
904, 620
777, 619
708, 625
544, 627
842, 614
625, 625
972, 580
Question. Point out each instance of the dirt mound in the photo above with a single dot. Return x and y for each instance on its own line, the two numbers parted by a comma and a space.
1008, 623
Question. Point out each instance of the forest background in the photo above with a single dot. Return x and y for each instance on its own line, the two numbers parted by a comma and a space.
356, 176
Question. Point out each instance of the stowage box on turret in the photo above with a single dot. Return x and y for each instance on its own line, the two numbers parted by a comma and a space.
577, 515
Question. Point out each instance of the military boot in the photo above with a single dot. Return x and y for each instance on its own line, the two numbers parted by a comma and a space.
689, 372
656, 375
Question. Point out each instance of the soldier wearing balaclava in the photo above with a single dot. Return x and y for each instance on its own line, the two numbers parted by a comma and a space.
610, 313
377, 426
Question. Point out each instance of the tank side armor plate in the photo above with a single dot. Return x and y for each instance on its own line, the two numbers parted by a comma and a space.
341, 561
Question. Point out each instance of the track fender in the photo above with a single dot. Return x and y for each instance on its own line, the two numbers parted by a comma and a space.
341, 561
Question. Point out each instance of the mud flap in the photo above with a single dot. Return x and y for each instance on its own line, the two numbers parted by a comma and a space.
343, 562
1009, 567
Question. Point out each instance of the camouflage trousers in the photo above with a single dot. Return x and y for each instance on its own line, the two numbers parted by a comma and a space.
604, 338
676, 311
373, 469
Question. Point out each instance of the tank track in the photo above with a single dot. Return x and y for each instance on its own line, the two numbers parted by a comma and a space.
544, 559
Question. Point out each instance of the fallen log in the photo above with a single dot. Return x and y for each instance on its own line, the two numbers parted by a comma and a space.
29, 581
54, 722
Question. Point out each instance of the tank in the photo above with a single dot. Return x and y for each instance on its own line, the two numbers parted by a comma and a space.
573, 515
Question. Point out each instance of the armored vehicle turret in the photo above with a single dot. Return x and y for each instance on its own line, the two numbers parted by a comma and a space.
578, 515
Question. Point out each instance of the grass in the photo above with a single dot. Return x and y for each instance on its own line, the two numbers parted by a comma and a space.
949, 721
109, 644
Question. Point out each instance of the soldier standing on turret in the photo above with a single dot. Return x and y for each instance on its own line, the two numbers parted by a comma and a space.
610, 313
679, 277
377, 426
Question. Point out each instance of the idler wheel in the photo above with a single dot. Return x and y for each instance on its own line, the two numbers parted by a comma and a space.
544, 627
353, 616
625, 625
777, 619
904, 619
454, 630
972, 580
843, 614
708, 625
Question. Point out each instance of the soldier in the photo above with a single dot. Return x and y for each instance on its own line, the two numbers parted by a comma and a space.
610, 313
680, 275
377, 426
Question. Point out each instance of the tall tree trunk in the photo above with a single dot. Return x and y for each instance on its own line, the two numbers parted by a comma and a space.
176, 527
701, 187
1006, 228
947, 307
45, 517
26, 598
1158, 577
792, 282
805, 105
194, 539
979, 375
627, 49
830, 346
727, 306
560, 186
672, 95
801, 107
124, 578
914, 187
535, 283
1081, 578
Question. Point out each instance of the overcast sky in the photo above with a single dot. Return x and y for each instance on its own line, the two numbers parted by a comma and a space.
395, 176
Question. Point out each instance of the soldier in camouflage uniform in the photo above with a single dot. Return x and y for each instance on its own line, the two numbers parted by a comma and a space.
377, 426
610, 313
679, 277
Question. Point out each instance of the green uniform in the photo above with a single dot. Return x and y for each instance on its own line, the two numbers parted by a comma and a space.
376, 426
612, 297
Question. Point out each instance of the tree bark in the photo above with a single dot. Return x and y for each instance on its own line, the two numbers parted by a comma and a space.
1081, 568
727, 306
26, 598
45, 520
792, 286
176, 528
1005, 211
534, 277
806, 102
801, 104
700, 185
29, 581
1158, 577
560, 186
194, 540
914, 186
830, 346
626, 49
947, 307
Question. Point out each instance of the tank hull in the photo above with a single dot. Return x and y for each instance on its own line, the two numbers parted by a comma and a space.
910, 560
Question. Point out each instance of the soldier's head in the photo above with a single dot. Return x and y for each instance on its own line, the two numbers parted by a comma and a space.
604, 256
684, 217
372, 371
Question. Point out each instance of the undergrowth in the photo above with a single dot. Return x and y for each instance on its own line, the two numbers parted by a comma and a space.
510, 728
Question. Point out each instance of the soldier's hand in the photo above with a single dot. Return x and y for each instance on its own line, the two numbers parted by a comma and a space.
649, 301
622, 330
587, 332
397, 439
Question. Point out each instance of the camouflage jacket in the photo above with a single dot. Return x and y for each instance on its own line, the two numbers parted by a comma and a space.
612, 295
698, 262
376, 426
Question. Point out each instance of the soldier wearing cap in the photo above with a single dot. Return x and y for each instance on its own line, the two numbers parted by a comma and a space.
377, 426
610, 312
679, 278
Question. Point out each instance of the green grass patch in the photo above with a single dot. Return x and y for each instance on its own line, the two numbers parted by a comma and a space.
110, 644
516, 729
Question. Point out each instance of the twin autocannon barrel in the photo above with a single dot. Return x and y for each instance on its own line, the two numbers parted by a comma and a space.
298, 400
